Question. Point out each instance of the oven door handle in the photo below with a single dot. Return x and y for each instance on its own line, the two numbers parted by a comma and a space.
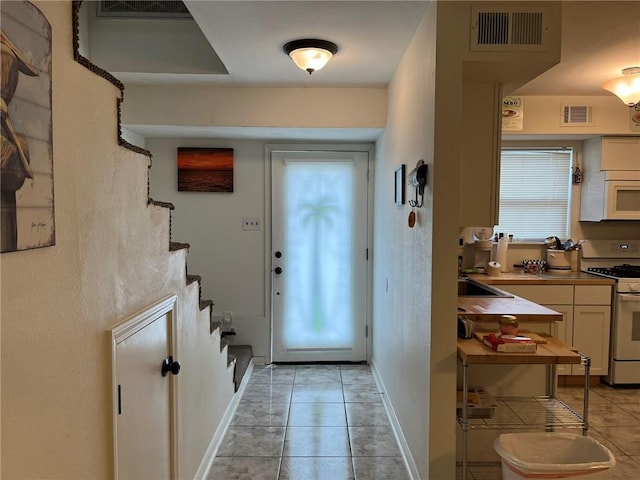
629, 297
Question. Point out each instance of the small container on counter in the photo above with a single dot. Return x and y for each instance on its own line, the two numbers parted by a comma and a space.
534, 266
509, 325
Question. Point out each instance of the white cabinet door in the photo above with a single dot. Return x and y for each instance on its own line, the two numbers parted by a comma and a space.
620, 153
143, 395
591, 325
563, 331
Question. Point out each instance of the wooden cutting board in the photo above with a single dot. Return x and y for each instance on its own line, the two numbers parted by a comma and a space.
479, 335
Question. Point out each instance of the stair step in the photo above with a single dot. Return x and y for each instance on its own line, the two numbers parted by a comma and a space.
205, 303
158, 203
243, 355
213, 325
193, 278
174, 246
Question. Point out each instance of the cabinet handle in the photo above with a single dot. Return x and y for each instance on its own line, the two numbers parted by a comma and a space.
168, 365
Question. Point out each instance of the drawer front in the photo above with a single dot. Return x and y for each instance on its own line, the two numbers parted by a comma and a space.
542, 294
592, 295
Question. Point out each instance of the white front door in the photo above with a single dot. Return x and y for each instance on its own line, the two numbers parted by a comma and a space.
143, 395
319, 256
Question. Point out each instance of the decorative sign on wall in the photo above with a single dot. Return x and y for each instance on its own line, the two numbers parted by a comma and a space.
634, 118
27, 206
205, 169
512, 114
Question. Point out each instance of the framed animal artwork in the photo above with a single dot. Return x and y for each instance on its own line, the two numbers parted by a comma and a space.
26, 176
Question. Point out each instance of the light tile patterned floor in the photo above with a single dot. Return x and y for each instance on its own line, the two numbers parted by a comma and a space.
310, 422
327, 422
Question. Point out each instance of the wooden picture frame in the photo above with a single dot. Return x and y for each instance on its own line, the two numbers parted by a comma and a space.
399, 184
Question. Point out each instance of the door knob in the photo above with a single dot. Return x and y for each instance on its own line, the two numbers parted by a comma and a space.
278, 270
168, 365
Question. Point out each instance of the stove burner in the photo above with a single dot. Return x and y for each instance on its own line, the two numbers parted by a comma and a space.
618, 271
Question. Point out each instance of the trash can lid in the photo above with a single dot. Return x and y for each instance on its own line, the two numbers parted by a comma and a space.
551, 452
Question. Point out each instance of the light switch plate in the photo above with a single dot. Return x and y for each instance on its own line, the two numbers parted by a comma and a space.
251, 223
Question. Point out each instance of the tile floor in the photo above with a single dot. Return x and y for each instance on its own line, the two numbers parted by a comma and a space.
614, 421
327, 422
310, 422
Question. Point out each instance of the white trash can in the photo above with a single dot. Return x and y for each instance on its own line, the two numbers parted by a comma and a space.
553, 455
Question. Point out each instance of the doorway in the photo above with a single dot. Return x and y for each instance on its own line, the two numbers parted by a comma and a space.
319, 255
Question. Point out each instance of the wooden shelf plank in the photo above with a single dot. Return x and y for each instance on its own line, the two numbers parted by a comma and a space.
553, 352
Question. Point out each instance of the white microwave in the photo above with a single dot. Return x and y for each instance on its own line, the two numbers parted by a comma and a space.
610, 195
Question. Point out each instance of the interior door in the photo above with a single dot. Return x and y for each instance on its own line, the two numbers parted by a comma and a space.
143, 395
319, 256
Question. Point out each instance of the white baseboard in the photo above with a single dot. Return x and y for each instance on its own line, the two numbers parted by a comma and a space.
214, 444
259, 361
395, 425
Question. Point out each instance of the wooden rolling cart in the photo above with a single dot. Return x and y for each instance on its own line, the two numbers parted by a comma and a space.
556, 413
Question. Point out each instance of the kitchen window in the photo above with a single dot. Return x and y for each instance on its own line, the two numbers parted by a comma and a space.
535, 192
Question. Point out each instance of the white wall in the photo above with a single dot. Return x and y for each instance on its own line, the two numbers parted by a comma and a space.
542, 115
255, 107
110, 260
231, 261
417, 370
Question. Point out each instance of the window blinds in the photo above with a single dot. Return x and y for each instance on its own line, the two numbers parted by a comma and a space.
535, 187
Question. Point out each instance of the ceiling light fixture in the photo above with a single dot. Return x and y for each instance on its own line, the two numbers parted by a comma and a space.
627, 87
310, 54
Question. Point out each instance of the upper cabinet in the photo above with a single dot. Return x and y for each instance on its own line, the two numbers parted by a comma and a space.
611, 184
480, 154
613, 153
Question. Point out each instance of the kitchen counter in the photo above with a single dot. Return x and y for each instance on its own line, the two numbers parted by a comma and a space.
492, 308
571, 278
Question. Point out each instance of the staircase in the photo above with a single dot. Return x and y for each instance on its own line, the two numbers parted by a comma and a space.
238, 357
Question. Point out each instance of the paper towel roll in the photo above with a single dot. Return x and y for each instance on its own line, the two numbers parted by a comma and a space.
501, 254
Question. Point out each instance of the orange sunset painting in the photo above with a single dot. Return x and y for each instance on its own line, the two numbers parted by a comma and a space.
205, 169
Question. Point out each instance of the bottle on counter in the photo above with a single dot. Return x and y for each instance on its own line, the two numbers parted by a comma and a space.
501, 253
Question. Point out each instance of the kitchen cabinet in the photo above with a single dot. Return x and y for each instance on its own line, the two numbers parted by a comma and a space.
480, 153
612, 153
611, 184
586, 311
564, 332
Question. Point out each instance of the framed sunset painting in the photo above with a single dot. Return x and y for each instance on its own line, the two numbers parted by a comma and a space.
205, 169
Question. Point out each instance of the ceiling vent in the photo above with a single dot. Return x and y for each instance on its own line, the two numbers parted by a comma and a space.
143, 9
508, 28
576, 115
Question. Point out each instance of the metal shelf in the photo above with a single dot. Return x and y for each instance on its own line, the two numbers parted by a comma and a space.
522, 413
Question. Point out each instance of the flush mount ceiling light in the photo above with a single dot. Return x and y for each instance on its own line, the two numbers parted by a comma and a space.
310, 54
627, 87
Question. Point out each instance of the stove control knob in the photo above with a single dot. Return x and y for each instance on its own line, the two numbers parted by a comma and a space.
634, 287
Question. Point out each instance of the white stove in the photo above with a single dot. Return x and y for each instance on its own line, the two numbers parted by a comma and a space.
627, 276
619, 260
